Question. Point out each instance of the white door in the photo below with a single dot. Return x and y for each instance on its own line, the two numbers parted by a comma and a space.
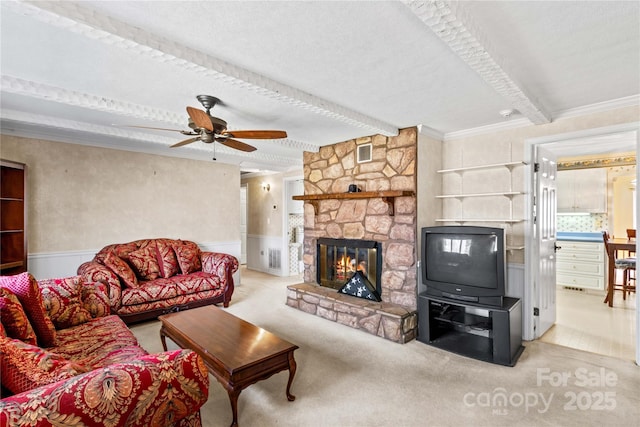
544, 281
243, 225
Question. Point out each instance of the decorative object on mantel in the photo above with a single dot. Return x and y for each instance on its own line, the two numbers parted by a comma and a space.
353, 188
359, 286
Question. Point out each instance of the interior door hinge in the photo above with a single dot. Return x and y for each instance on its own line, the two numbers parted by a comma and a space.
536, 167
536, 311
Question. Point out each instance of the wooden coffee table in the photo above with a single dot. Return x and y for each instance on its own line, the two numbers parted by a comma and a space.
236, 352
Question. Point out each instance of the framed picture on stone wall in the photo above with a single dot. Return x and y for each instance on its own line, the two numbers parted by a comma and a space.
364, 153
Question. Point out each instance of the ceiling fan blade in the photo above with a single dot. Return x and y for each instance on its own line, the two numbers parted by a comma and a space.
236, 144
200, 118
149, 127
185, 142
256, 134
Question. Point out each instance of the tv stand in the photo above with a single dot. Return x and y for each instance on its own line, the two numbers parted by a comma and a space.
484, 332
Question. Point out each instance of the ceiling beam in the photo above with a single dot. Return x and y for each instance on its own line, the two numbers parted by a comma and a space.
85, 22
450, 22
73, 98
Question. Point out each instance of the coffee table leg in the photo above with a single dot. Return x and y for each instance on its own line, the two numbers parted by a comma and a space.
162, 338
233, 397
292, 372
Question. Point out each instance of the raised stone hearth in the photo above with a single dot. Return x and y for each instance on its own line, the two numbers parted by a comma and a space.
334, 214
387, 320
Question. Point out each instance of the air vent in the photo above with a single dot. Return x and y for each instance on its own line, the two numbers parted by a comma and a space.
275, 258
571, 288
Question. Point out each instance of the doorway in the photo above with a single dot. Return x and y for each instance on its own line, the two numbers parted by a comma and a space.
583, 321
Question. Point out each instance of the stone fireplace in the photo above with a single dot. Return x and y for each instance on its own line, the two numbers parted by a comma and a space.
384, 212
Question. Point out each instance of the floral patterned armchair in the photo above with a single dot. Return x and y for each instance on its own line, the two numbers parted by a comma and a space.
66, 361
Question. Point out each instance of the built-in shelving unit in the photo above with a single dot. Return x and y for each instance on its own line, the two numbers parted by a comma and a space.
509, 194
387, 196
13, 214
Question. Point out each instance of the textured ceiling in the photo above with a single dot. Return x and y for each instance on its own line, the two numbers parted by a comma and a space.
323, 71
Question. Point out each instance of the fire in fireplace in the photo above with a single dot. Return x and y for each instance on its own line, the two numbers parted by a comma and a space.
338, 260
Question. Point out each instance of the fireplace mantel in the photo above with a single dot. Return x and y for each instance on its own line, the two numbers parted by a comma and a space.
388, 196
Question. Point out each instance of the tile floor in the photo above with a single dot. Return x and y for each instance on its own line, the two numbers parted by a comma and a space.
584, 322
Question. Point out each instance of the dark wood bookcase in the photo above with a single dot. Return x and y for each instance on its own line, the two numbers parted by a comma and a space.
13, 218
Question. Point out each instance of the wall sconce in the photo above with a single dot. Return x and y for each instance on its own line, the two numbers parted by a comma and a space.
266, 186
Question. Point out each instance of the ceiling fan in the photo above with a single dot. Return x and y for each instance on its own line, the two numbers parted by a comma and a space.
207, 128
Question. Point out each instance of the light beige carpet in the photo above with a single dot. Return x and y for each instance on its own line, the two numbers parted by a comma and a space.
347, 377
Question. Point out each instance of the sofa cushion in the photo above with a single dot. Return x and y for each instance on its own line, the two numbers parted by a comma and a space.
14, 319
97, 342
155, 290
122, 269
188, 254
145, 262
95, 299
26, 366
198, 281
167, 260
26, 288
63, 301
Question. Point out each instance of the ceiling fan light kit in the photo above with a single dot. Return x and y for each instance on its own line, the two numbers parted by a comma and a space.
210, 129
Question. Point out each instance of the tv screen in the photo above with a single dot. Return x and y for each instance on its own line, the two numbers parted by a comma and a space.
464, 262
462, 259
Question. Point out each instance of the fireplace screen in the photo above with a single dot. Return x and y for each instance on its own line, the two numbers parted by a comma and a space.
338, 260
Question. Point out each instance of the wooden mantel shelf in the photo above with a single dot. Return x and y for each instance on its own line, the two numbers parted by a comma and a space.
388, 196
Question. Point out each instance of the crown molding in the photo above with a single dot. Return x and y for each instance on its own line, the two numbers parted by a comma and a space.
600, 107
430, 132
628, 101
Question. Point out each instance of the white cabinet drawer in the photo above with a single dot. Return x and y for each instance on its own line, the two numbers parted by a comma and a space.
587, 268
580, 281
581, 265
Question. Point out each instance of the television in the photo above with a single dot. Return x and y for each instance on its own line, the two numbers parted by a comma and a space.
464, 263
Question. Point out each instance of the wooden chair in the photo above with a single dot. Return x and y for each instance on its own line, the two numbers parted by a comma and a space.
626, 264
631, 234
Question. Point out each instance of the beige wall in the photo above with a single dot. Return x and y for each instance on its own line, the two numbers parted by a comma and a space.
621, 207
84, 197
262, 218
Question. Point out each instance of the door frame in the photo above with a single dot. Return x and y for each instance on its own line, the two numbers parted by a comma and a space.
286, 180
530, 261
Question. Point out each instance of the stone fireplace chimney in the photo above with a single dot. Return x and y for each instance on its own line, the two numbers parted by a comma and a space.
384, 211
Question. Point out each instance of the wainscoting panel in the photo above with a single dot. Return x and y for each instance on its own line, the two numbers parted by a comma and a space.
262, 254
49, 265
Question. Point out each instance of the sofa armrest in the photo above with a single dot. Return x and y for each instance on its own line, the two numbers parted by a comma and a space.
154, 390
218, 263
223, 265
94, 272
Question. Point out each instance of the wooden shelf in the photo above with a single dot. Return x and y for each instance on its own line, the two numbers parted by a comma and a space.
495, 165
462, 220
6, 265
461, 196
387, 196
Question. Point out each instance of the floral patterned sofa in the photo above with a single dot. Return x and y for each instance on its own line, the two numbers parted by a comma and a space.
66, 361
149, 277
